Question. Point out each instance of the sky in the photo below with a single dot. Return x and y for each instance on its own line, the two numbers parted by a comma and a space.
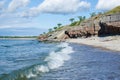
33, 17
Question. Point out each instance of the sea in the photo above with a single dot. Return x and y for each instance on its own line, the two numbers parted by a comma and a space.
30, 59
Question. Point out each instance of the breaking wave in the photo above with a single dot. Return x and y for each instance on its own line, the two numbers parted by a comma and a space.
54, 60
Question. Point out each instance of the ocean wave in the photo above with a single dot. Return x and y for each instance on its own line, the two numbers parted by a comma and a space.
54, 60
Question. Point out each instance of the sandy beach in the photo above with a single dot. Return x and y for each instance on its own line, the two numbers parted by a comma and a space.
111, 42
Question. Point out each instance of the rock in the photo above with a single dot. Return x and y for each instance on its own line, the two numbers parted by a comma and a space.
98, 25
106, 25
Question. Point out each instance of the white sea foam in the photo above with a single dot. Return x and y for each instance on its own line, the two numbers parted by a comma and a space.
31, 75
56, 59
43, 68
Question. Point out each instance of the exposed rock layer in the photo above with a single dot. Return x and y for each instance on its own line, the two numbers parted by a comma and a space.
105, 25
98, 25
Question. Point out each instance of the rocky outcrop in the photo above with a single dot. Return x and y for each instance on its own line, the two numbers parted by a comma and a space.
54, 36
42, 38
110, 25
87, 28
100, 26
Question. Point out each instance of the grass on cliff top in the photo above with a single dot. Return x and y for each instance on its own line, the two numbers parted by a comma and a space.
114, 11
59, 28
76, 23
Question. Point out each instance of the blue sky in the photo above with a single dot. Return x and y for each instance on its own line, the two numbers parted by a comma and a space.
33, 17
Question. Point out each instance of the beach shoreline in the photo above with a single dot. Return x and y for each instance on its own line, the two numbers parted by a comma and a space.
106, 43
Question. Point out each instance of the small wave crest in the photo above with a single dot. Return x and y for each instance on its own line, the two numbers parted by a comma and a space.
54, 60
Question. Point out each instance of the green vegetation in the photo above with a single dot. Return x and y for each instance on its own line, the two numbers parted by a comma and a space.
59, 24
50, 30
114, 11
81, 19
59, 28
55, 28
71, 20
74, 23
92, 14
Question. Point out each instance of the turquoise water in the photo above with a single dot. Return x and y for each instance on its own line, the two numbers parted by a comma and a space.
33, 60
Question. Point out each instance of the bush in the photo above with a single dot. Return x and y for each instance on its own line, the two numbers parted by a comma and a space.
74, 23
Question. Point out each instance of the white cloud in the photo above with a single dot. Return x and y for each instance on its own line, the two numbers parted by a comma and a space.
15, 4
58, 7
63, 6
107, 5
12, 9
30, 13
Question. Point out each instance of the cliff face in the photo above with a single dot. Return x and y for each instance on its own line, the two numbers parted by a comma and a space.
85, 29
105, 25
110, 25
100, 25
